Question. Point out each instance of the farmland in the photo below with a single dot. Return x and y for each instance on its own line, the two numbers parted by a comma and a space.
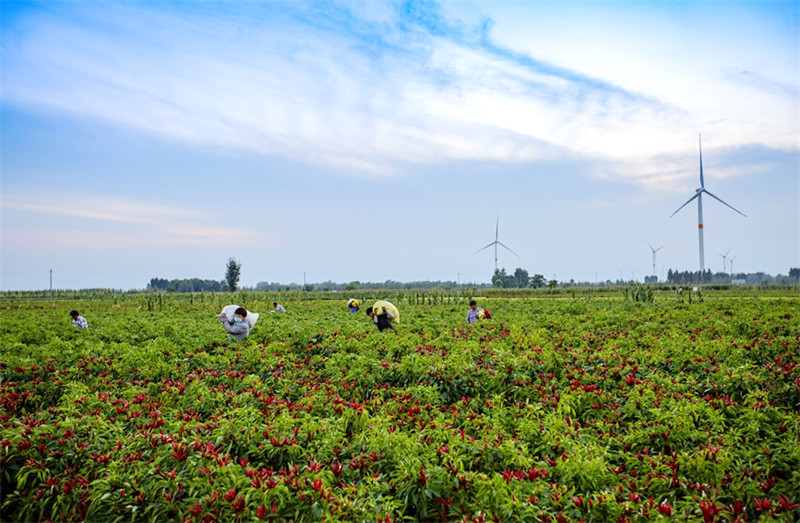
560, 408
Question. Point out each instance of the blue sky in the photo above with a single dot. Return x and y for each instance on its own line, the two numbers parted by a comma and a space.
379, 140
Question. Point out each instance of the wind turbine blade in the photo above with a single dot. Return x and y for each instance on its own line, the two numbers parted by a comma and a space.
661, 247
497, 228
721, 201
700, 142
509, 250
484, 248
648, 244
687, 203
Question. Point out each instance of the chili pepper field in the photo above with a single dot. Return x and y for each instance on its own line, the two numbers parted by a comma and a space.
563, 408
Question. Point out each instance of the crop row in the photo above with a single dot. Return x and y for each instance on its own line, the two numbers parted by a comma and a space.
554, 410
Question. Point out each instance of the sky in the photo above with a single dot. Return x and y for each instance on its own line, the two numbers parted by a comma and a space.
372, 141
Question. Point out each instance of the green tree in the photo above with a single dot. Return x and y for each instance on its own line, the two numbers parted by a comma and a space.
232, 272
499, 278
157, 284
521, 278
537, 281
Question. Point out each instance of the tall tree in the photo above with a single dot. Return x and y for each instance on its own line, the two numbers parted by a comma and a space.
537, 280
232, 272
499, 277
521, 278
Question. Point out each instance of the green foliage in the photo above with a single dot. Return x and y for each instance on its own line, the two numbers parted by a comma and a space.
186, 285
519, 280
233, 271
636, 292
564, 408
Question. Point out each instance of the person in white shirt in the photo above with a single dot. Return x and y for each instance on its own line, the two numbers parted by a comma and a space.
78, 320
474, 312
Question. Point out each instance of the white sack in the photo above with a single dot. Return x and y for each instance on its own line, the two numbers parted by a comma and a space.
251, 318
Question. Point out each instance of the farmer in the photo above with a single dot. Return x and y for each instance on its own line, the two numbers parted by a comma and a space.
354, 305
384, 315
474, 312
78, 320
278, 307
239, 328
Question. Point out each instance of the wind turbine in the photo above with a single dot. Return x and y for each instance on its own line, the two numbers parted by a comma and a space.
699, 195
732, 259
654, 254
724, 259
497, 242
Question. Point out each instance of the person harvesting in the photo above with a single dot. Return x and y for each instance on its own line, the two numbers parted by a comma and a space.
384, 314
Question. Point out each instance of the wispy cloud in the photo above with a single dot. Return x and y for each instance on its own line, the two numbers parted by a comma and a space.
364, 88
49, 238
98, 208
91, 217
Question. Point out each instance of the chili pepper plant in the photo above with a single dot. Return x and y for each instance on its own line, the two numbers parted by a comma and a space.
561, 409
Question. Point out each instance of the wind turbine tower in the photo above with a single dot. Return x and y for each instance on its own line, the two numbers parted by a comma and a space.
654, 254
725, 259
698, 194
496, 242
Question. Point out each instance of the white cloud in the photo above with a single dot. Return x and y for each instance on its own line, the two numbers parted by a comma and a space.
629, 92
133, 224
688, 59
98, 208
48, 239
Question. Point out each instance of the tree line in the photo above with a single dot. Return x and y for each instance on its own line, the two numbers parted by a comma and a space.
233, 270
709, 278
520, 279
186, 285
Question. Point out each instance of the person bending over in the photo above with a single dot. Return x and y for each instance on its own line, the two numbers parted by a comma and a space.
238, 328
381, 317
78, 320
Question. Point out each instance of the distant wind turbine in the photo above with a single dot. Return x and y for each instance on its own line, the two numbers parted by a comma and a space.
724, 259
732, 259
654, 254
699, 196
497, 242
